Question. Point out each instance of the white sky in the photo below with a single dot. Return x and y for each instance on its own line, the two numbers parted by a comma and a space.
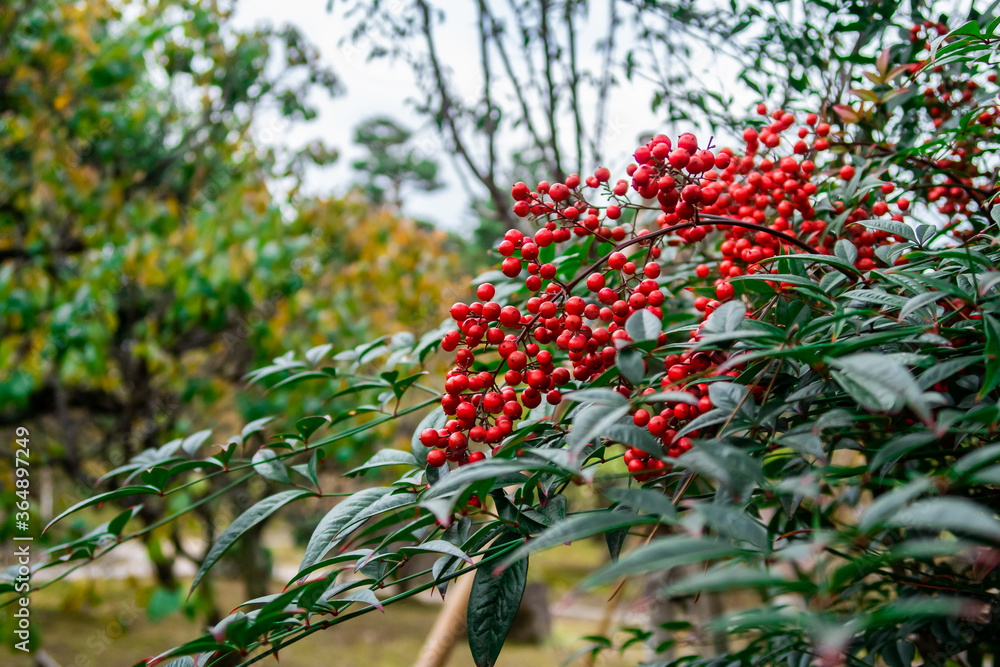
382, 88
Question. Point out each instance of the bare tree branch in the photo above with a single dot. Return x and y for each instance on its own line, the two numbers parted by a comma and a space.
448, 119
574, 84
549, 57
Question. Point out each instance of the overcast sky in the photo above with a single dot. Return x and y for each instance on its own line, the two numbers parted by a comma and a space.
382, 88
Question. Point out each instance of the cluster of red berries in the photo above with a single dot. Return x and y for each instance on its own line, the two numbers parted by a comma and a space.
778, 194
763, 206
588, 328
954, 96
921, 32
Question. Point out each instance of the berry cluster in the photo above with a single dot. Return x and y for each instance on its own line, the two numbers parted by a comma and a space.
568, 332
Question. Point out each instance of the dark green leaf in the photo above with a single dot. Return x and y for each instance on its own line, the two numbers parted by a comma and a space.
242, 524
642, 326
336, 519
493, 602
386, 457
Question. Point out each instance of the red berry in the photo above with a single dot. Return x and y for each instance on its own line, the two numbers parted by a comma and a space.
436, 458
595, 281
725, 291
485, 292
511, 267
429, 437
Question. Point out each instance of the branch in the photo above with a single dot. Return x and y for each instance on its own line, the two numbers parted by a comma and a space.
518, 90
602, 94
500, 201
43, 403
574, 82
491, 128
550, 84
69, 246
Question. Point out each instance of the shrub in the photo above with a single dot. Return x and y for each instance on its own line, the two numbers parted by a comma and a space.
778, 364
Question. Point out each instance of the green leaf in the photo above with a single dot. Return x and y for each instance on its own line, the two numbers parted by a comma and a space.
633, 436
392, 501
493, 602
732, 522
732, 467
727, 396
268, 465
992, 355
649, 501
631, 365
642, 326
735, 578
336, 519
591, 423
846, 251
710, 418
364, 596
435, 419
386, 457
805, 443
943, 370
575, 527
887, 504
956, 515
669, 397
598, 395
898, 447
242, 524
194, 441
439, 546
891, 226
661, 554
316, 354
977, 459
919, 301
254, 426
478, 472
726, 318
887, 380
309, 425
123, 492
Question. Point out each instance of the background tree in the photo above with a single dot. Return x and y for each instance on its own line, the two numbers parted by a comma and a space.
145, 265
392, 164
552, 71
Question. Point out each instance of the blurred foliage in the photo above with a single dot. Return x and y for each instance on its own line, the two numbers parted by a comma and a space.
391, 163
152, 250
